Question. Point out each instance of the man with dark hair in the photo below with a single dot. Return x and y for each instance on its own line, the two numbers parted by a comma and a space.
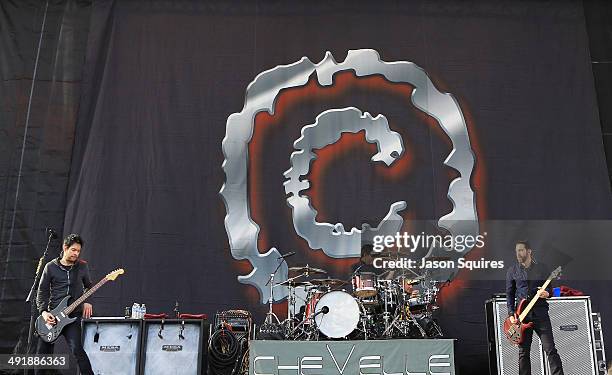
523, 281
365, 261
66, 275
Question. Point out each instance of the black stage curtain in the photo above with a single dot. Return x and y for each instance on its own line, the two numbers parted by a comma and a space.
37, 125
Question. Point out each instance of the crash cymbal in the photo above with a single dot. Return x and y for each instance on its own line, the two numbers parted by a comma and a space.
307, 270
332, 283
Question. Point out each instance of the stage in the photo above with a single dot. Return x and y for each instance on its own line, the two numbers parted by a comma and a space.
354, 177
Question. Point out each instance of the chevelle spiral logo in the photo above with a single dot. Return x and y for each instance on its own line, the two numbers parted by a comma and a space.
333, 239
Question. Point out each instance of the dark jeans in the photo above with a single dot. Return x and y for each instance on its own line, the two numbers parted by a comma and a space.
541, 325
72, 334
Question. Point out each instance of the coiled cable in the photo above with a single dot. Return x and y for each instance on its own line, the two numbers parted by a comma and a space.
224, 352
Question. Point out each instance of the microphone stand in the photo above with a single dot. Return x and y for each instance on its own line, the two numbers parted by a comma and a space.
31, 297
271, 315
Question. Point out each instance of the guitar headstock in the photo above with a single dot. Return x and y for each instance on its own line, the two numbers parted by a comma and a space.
555, 274
113, 275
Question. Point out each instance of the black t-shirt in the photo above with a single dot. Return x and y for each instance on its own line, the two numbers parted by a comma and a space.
58, 281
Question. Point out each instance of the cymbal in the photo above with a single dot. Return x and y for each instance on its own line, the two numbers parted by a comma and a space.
295, 283
392, 253
328, 282
306, 269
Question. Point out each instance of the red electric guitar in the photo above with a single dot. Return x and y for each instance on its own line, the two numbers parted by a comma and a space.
515, 332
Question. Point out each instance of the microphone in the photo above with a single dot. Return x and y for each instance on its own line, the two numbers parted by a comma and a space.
286, 255
324, 310
51, 233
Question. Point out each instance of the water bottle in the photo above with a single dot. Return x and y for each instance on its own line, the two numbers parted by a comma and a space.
135, 308
143, 309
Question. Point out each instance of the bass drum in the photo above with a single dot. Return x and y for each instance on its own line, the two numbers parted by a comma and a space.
337, 314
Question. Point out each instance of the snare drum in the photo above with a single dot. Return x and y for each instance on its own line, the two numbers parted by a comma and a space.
364, 284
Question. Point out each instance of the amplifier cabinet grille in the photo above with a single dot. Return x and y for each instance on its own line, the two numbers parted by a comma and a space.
173, 346
112, 345
572, 325
503, 356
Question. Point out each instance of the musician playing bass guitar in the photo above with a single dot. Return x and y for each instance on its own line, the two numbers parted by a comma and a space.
523, 281
63, 276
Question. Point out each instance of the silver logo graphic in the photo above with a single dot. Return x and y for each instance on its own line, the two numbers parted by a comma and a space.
261, 95
333, 239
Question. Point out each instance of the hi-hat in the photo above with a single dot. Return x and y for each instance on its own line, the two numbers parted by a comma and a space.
332, 283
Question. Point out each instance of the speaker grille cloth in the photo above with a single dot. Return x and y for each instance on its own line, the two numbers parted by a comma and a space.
171, 354
574, 345
509, 353
116, 351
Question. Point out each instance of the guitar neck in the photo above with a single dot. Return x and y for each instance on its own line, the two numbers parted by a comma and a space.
85, 295
533, 301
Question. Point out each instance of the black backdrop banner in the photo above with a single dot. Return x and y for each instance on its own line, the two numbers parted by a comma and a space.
35, 145
161, 79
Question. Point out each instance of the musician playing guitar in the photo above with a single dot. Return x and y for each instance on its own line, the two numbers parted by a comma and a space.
66, 275
523, 281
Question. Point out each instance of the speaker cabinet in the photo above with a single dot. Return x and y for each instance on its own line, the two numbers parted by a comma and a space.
503, 356
174, 346
112, 344
572, 325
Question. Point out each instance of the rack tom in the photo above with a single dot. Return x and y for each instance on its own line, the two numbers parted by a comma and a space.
364, 284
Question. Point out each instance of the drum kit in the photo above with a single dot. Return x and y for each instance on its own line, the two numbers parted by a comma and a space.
369, 306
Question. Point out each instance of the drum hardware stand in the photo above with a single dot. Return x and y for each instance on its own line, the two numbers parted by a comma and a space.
421, 329
404, 330
304, 331
388, 326
311, 333
270, 315
364, 321
288, 323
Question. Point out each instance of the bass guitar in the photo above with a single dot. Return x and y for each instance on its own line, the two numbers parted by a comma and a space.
50, 332
515, 332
